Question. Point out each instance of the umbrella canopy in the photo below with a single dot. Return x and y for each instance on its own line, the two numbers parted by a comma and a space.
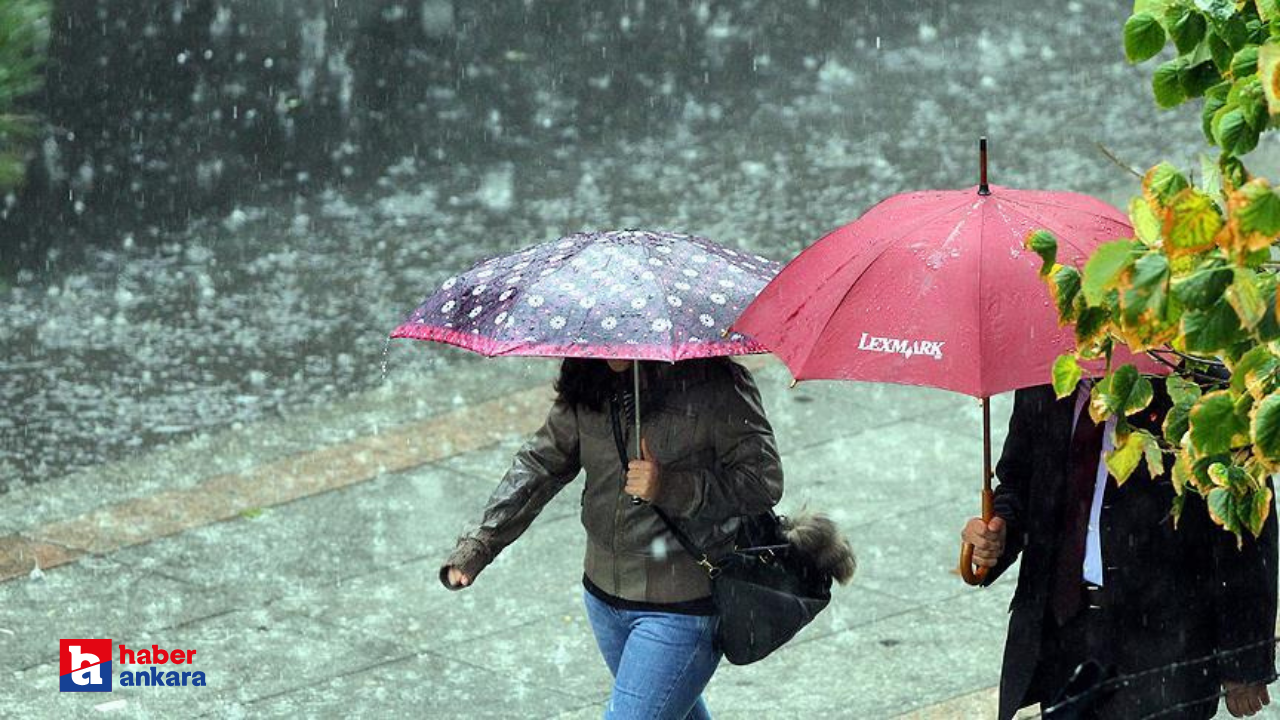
935, 288
625, 294
932, 288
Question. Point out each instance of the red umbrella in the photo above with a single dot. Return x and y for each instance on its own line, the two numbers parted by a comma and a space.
934, 288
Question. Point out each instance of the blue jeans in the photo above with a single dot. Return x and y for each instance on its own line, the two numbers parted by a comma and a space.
660, 661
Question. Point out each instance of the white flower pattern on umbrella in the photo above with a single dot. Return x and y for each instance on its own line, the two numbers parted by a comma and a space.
627, 294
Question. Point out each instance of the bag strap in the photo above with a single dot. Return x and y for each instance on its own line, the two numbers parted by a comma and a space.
681, 537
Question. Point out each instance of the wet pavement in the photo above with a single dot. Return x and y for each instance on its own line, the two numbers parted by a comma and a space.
323, 599
304, 573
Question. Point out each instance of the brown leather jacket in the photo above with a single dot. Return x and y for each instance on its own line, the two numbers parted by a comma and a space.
718, 460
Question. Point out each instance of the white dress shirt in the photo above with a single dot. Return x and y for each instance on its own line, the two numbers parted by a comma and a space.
1092, 571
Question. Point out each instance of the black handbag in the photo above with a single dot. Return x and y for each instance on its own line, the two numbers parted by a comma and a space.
764, 592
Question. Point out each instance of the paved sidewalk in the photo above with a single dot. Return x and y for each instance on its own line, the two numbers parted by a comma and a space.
299, 558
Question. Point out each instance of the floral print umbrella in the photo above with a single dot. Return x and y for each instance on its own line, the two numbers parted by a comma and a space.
625, 294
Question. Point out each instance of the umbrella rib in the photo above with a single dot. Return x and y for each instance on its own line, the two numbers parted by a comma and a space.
1047, 203
982, 233
888, 244
665, 291
1062, 236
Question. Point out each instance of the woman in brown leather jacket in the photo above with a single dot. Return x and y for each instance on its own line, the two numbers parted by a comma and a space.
708, 458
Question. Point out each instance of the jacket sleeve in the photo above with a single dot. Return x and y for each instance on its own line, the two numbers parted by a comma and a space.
748, 476
546, 463
1245, 603
1017, 461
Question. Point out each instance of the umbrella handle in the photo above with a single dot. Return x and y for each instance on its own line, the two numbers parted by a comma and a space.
972, 574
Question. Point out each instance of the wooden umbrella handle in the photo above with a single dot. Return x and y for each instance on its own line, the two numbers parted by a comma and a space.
975, 575
971, 573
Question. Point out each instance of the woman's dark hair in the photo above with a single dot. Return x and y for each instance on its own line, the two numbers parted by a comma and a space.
590, 383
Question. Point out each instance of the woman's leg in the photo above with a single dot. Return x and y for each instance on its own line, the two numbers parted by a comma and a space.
611, 629
666, 663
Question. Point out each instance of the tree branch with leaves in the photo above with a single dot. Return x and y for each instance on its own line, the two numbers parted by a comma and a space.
24, 41
1197, 281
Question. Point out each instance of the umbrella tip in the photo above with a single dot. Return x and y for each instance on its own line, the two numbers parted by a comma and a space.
983, 188
794, 382
724, 333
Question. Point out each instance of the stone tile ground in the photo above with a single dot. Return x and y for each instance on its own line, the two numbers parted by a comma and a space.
327, 605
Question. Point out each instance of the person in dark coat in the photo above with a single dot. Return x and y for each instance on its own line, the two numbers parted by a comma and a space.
1108, 582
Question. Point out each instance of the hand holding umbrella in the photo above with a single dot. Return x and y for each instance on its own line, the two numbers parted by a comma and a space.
644, 476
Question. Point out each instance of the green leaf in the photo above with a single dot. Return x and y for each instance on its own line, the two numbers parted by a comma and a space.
1146, 225
1123, 392
1162, 184
1187, 30
1215, 426
1253, 103
1156, 8
1269, 74
1212, 330
1210, 177
1220, 10
1147, 285
1191, 223
1215, 98
1176, 423
1233, 171
1044, 244
1268, 10
1232, 28
1182, 391
1222, 509
1261, 214
1166, 84
1202, 288
1103, 270
1269, 329
1265, 429
1064, 285
1254, 372
1258, 510
1245, 62
1143, 37
1153, 454
1246, 299
1231, 477
1089, 325
1066, 375
1197, 78
1176, 507
1220, 50
1122, 461
1232, 132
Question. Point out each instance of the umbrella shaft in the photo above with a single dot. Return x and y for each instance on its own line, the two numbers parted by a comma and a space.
635, 374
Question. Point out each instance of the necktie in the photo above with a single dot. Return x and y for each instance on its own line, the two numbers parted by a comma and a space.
1082, 469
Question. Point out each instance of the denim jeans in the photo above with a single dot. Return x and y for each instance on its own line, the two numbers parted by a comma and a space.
660, 661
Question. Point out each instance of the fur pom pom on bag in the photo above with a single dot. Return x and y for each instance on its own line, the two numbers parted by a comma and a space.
815, 537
